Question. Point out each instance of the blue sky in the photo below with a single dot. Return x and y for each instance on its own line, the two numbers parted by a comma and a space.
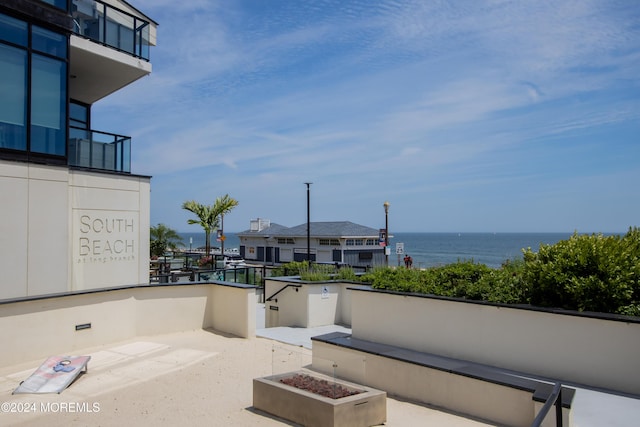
465, 115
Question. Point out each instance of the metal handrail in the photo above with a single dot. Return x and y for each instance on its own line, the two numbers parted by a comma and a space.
282, 289
555, 398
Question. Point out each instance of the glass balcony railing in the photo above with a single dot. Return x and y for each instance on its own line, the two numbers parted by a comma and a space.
112, 27
99, 150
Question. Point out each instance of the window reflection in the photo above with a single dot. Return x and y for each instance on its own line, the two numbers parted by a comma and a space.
60, 4
48, 100
13, 30
48, 42
13, 87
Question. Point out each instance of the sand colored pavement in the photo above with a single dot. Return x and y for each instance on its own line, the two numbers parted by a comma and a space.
195, 378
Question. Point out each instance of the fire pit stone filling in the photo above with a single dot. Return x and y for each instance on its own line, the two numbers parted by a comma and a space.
318, 386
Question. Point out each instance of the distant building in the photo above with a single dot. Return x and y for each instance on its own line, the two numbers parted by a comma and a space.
73, 216
330, 242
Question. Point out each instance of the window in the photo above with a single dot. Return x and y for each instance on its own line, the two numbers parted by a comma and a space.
285, 241
79, 115
13, 89
48, 102
13, 30
48, 42
60, 4
365, 256
120, 30
44, 130
329, 242
372, 242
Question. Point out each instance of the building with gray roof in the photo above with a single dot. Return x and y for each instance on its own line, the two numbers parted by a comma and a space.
342, 242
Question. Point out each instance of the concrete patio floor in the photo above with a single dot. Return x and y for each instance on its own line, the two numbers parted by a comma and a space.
195, 378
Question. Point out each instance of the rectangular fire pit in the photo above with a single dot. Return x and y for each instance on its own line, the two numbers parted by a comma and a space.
305, 401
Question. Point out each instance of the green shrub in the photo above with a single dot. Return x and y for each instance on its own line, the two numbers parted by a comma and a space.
346, 274
310, 273
292, 268
587, 273
455, 280
451, 280
317, 273
630, 310
505, 285
394, 279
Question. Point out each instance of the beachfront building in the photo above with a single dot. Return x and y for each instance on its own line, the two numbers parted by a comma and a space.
329, 242
73, 216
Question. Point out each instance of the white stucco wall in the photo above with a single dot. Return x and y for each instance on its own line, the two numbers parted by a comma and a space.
38, 328
323, 302
109, 230
287, 308
14, 226
308, 304
233, 310
49, 240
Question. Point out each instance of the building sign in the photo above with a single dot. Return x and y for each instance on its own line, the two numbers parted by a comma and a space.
105, 237
382, 237
399, 248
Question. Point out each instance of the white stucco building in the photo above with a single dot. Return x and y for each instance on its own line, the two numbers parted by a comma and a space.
73, 216
329, 242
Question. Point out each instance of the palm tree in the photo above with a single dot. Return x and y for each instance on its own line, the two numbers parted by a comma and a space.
208, 215
163, 237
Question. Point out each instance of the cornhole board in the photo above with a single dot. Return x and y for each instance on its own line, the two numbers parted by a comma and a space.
54, 375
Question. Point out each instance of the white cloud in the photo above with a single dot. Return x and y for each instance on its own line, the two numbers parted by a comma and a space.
374, 99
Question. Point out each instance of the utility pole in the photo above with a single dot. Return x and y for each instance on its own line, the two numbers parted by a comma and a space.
308, 223
386, 232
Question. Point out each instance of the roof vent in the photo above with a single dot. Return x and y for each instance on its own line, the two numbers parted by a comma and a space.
259, 224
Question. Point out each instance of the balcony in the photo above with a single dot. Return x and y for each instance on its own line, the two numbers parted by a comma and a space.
99, 150
112, 27
110, 49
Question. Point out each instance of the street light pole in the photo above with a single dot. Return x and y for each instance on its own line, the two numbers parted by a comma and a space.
386, 232
222, 235
308, 224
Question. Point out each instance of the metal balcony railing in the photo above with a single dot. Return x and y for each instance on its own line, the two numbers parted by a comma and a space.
99, 150
112, 27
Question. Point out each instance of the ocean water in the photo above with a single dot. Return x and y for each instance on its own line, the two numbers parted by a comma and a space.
492, 249
434, 249
197, 240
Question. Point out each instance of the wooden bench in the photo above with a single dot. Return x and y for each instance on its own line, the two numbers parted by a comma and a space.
482, 391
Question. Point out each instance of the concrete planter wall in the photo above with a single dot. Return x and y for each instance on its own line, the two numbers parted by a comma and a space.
364, 409
37, 328
597, 351
498, 402
306, 304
